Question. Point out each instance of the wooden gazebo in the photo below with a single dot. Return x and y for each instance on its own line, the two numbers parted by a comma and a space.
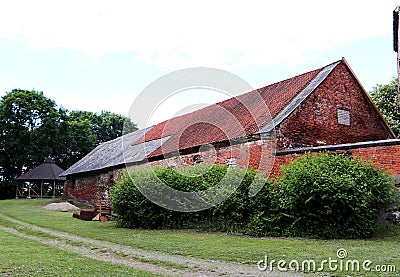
47, 172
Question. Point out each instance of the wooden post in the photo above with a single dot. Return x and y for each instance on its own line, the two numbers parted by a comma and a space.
41, 189
54, 188
29, 191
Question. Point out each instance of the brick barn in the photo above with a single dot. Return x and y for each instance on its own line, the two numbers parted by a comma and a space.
326, 109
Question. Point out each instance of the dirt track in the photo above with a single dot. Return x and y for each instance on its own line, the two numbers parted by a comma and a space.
137, 258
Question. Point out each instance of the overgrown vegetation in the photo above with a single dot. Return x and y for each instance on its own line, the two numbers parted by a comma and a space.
322, 196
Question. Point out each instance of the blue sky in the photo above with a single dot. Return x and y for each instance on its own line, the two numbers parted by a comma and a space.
99, 55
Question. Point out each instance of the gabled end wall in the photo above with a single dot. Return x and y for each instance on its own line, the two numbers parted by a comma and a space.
338, 111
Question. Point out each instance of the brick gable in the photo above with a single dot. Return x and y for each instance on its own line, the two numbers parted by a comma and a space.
338, 111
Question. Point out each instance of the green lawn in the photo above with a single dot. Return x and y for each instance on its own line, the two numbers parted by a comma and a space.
382, 250
24, 257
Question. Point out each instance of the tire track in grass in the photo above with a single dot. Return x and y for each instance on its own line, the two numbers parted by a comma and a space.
151, 261
97, 254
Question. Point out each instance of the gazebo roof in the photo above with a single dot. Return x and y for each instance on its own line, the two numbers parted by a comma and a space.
47, 171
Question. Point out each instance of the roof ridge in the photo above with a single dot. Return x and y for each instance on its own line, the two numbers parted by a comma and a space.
301, 74
303, 94
257, 89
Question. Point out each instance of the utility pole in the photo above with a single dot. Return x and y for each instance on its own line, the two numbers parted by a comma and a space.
396, 44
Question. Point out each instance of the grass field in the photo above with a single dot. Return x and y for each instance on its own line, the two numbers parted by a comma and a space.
382, 250
23, 257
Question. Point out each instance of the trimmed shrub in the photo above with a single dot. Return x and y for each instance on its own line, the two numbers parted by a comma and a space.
322, 196
136, 211
133, 209
332, 196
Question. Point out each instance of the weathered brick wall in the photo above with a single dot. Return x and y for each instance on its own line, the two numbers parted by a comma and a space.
315, 122
80, 189
253, 154
91, 189
385, 155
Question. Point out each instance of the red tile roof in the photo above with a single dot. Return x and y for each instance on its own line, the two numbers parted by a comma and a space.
233, 118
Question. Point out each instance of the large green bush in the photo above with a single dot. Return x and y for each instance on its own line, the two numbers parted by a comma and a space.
133, 209
136, 211
324, 196
332, 196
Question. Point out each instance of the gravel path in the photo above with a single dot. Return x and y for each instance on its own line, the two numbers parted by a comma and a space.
128, 256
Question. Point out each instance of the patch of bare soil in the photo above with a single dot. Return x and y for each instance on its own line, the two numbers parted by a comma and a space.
63, 206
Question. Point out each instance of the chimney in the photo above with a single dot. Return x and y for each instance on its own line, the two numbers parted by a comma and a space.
396, 44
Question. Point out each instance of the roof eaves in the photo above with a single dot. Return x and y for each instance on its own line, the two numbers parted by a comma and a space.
295, 103
43, 172
337, 147
114, 154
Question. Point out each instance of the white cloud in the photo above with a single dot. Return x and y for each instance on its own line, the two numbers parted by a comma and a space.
180, 34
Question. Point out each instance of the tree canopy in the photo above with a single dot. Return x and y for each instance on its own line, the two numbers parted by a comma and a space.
386, 99
33, 128
28, 123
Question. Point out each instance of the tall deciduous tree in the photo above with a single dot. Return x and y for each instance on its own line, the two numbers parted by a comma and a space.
28, 125
385, 98
33, 128
83, 130
106, 125
75, 139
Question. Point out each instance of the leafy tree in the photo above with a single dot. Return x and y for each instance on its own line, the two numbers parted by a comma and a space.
113, 125
33, 128
28, 126
81, 131
76, 139
106, 125
386, 99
